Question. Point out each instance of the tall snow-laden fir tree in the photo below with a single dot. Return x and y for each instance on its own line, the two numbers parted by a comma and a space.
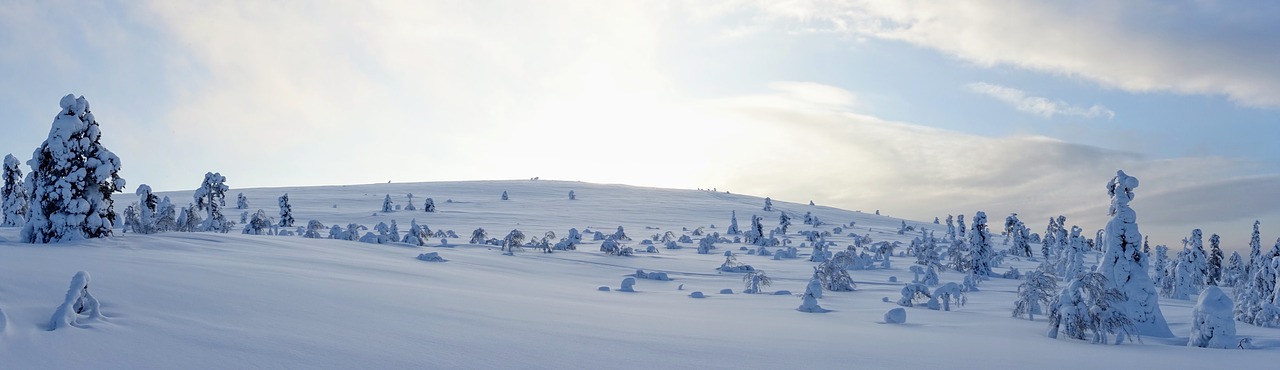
1021, 240
211, 197
951, 228
14, 193
1200, 259
960, 227
1214, 274
241, 201
73, 176
148, 210
733, 224
286, 211
1233, 273
1122, 264
980, 251
1255, 251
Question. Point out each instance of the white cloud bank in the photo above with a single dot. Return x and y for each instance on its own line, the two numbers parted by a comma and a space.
1040, 106
1185, 47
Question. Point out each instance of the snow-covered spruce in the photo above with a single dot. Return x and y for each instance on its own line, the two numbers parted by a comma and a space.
14, 193
754, 280
211, 197
429, 205
1233, 272
572, 196
980, 250
1090, 308
387, 205
286, 211
260, 224
1212, 325
504, 195
1122, 263
241, 201
1213, 275
72, 178
78, 302
768, 204
733, 224
1035, 292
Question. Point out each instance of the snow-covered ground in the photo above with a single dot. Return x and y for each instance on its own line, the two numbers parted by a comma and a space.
230, 301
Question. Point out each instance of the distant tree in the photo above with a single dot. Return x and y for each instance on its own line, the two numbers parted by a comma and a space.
211, 197
1233, 273
286, 211
148, 210
313, 229
572, 196
166, 216
1214, 274
241, 201
960, 226
429, 205
71, 181
834, 273
951, 228
387, 205
784, 221
1255, 252
260, 224
504, 195
980, 251
768, 204
14, 193
1036, 291
394, 232
1021, 240
408, 205
733, 224
189, 220
754, 280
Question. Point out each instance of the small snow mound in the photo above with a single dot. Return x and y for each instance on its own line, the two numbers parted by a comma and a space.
697, 295
782, 292
884, 299
726, 291
431, 257
896, 316
628, 285
893, 279
603, 289
652, 275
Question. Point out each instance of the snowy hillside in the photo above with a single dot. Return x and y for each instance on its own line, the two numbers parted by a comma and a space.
234, 301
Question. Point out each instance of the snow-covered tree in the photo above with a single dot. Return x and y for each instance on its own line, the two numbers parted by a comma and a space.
1255, 301
1186, 274
1021, 239
14, 193
1090, 306
166, 216
755, 236
960, 227
1212, 325
621, 235
429, 205
1200, 259
1036, 291
1122, 264
188, 219
1255, 251
754, 280
809, 300
286, 211
1214, 273
1158, 271
260, 224
313, 229
784, 222
572, 196
148, 210
1233, 273
951, 228
980, 251
1071, 262
73, 176
834, 272
242, 202
504, 195
211, 197
478, 236
768, 204
387, 205
733, 224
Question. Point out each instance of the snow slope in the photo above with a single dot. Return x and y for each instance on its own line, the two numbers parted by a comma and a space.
200, 300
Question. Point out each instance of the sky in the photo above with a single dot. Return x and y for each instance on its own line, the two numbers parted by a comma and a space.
918, 109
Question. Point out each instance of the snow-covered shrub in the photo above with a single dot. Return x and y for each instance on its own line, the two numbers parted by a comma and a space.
834, 273
733, 224
504, 195
809, 300
652, 275
512, 240
286, 211
1122, 263
429, 205
706, 245
372, 238
14, 193
1212, 325
478, 236
241, 201
1035, 292
913, 293
731, 264
621, 235
1089, 308
628, 285
78, 302
417, 235
572, 196
754, 280
71, 181
313, 229
260, 224
685, 239
431, 257
947, 294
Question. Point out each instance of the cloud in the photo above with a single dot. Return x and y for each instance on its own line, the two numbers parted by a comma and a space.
1036, 105
855, 161
1184, 47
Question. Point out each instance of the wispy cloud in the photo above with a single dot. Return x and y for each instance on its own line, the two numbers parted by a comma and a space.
920, 172
1040, 106
1186, 47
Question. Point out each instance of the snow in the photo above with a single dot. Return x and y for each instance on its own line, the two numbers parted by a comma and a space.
896, 316
211, 300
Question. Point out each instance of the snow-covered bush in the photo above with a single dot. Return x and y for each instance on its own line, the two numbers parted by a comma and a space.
706, 245
754, 280
504, 195
478, 236
731, 264
834, 273
417, 235
1035, 292
71, 181
260, 224
652, 275
947, 294
431, 257
913, 293
1090, 308
429, 205
628, 285
809, 300
1212, 325
621, 235
313, 229
286, 211
14, 193
77, 302
512, 240
1122, 263
241, 201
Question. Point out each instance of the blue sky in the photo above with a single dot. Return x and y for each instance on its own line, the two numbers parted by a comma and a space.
919, 109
